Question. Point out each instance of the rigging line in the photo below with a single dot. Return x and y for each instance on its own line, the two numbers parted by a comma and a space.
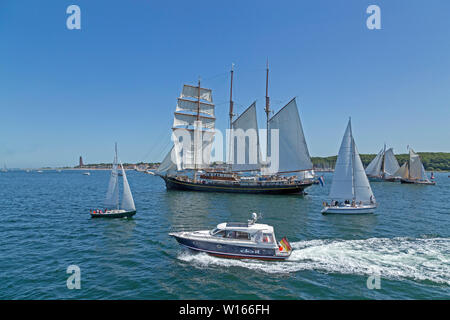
216, 76
156, 145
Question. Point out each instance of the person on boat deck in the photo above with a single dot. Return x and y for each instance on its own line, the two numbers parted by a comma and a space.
353, 203
347, 202
371, 199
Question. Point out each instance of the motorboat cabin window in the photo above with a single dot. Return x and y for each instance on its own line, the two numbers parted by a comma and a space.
237, 235
217, 232
230, 234
242, 235
268, 237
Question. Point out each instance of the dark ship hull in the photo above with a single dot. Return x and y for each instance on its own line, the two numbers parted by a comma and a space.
173, 183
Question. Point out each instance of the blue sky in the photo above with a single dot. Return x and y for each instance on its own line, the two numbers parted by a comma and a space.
66, 93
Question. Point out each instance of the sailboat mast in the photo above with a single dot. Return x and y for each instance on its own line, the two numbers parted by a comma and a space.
384, 161
198, 118
115, 161
231, 114
267, 108
198, 101
352, 145
231, 97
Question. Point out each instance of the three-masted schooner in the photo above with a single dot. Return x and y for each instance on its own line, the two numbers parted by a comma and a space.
115, 208
194, 120
383, 167
350, 191
413, 172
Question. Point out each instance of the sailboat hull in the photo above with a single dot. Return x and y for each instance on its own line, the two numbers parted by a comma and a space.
175, 184
348, 210
124, 214
410, 181
380, 179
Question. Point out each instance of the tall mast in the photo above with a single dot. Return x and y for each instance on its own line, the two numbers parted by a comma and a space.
198, 101
267, 109
384, 161
198, 118
231, 112
231, 97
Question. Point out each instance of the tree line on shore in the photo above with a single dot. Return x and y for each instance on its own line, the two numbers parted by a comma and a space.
432, 161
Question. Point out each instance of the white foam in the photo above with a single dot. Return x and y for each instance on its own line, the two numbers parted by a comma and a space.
397, 258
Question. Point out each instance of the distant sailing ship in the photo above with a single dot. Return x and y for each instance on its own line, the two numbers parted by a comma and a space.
350, 190
195, 114
413, 172
115, 208
4, 168
383, 167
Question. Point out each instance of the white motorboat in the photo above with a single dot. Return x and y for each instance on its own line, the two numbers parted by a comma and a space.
249, 240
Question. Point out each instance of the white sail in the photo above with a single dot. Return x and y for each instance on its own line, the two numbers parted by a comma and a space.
349, 179
402, 172
193, 134
127, 197
374, 167
184, 105
167, 164
193, 92
112, 195
293, 151
245, 148
362, 189
342, 184
390, 163
187, 120
415, 165
416, 169
195, 152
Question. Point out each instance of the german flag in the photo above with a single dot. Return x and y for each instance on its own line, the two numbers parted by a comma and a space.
285, 244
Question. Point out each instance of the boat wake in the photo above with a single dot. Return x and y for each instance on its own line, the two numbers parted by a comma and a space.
396, 258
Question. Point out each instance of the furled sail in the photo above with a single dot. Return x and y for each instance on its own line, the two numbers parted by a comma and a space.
390, 163
374, 167
112, 195
245, 148
127, 197
293, 151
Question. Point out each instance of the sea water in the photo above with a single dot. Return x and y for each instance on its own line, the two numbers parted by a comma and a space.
45, 227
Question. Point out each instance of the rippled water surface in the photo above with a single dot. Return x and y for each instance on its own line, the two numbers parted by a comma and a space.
45, 227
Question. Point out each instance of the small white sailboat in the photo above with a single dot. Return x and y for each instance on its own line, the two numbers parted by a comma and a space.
350, 190
383, 167
413, 172
115, 208
4, 169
